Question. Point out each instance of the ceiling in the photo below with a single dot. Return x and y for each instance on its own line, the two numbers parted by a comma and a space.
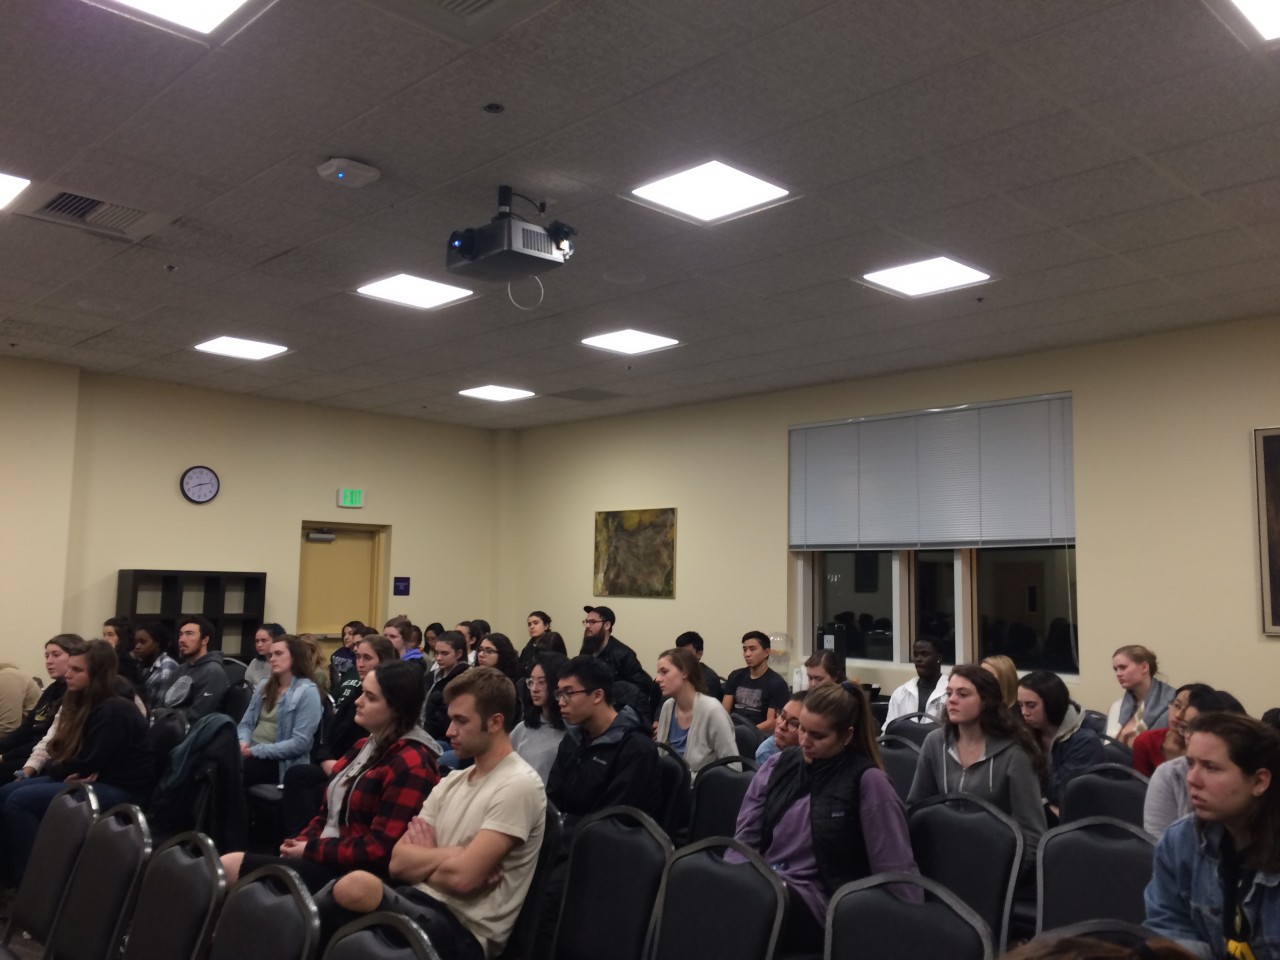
1114, 163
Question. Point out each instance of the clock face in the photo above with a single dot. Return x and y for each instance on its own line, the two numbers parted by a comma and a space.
199, 484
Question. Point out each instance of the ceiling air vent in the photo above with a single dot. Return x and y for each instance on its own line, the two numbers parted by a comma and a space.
88, 213
473, 22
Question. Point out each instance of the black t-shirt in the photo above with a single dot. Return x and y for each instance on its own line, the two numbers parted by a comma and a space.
715, 686
752, 699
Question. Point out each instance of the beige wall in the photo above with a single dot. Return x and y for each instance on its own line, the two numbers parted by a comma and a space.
1165, 514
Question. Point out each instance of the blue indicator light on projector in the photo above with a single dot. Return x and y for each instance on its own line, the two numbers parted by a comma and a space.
341, 176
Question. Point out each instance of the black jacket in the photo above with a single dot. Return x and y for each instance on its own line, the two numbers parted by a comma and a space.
113, 746
619, 767
627, 669
199, 686
435, 714
18, 743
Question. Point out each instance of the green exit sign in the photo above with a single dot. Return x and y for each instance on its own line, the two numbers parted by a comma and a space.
350, 497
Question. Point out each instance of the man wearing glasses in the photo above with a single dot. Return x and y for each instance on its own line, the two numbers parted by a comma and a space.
598, 641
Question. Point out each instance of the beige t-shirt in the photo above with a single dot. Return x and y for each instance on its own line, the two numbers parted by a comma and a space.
510, 799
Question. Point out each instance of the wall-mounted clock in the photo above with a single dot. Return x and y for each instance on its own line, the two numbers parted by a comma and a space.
199, 484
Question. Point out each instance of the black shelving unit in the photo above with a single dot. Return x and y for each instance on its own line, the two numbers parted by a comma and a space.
159, 595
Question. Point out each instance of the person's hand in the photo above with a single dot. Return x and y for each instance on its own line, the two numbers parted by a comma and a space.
244, 750
76, 778
419, 833
327, 766
495, 878
292, 847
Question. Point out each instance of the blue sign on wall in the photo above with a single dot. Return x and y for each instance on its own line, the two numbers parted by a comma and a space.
400, 586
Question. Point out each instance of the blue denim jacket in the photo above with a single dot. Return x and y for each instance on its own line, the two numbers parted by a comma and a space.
1184, 898
298, 715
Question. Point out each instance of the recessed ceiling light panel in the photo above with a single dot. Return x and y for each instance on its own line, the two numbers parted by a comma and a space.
1263, 16
926, 277
630, 342
404, 288
10, 187
240, 349
496, 393
202, 16
710, 192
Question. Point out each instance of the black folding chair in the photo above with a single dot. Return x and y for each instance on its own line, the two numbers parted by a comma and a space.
1113, 751
912, 726
57, 847
709, 907
615, 842
381, 936
520, 945
900, 756
747, 735
676, 796
1107, 790
717, 797
181, 894
1112, 931
268, 914
866, 919
99, 900
1092, 869
974, 850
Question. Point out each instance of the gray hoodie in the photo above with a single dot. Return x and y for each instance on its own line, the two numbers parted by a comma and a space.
1004, 776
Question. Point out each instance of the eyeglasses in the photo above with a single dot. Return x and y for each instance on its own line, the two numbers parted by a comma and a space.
591, 623
562, 696
533, 684
790, 724
488, 651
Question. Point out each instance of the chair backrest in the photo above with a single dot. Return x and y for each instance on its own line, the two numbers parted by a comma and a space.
100, 896
880, 713
178, 903
236, 700
57, 846
615, 842
520, 945
709, 907
900, 757
676, 796
866, 919
913, 726
1096, 721
1107, 790
973, 849
1092, 869
746, 734
717, 798
381, 936
1113, 751
235, 670
1112, 931
268, 914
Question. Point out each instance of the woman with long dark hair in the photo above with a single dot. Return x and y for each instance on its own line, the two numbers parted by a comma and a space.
1215, 884
1058, 725
279, 726
374, 790
824, 812
16, 746
100, 739
537, 737
496, 650
982, 750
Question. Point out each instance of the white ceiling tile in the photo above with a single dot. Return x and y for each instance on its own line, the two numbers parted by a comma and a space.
1239, 157
1252, 203
1161, 223
1000, 23
1098, 193
1198, 253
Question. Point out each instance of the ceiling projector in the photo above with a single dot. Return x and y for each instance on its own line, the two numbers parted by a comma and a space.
508, 248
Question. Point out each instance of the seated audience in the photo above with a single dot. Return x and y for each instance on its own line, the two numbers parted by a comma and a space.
279, 726
824, 812
258, 669
1168, 797
18, 696
343, 660
478, 630
304, 783
537, 737
376, 788
1056, 722
1003, 669
598, 641
824, 667
690, 722
786, 729
118, 631
715, 686
928, 692
319, 675
541, 639
200, 682
497, 651
153, 648
607, 758
1215, 884
755, 692
983, 750
465, 864
100, 739
16, 746
1145, 702
1154, 747
451, 660
400, 631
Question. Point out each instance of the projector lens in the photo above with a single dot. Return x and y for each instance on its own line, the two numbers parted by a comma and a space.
464, 241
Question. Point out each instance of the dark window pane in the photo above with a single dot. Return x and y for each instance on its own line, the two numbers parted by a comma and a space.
936, 599
1026, 607
856, 589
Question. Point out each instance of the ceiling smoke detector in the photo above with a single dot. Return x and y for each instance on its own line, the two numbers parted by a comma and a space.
348, 173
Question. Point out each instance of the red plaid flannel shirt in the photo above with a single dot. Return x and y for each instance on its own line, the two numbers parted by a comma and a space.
379, 806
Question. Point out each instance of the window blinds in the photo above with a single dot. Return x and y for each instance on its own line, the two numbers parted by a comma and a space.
985, 475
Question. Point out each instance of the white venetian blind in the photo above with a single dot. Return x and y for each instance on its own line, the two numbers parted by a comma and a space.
990, 474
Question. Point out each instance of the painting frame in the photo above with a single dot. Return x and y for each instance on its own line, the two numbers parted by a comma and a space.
1266, 456
635, 554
